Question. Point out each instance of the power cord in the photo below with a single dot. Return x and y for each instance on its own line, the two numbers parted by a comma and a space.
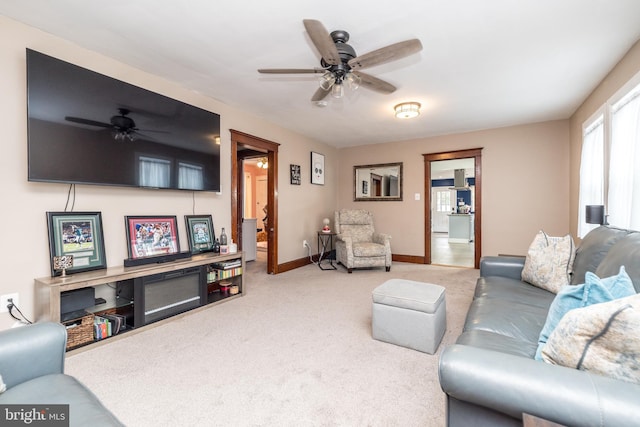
11, 306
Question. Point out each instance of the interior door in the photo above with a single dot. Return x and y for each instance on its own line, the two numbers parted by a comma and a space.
248, 197
261, 200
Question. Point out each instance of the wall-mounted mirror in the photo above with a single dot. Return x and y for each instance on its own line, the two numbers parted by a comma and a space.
382, 182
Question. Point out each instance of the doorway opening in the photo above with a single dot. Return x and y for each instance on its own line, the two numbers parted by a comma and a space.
453, 208
254, 203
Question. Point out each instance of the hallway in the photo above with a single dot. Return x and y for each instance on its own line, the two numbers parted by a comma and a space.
453, 254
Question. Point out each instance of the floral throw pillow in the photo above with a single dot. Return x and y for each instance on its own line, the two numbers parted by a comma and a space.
549, 262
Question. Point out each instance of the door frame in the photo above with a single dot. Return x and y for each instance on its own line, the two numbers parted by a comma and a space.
476, 154
243, 140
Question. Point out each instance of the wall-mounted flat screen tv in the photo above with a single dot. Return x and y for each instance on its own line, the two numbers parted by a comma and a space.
88, 128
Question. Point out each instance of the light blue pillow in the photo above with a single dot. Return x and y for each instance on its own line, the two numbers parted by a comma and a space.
593, 291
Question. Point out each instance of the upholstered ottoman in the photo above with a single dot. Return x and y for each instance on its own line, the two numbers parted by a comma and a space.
410, 314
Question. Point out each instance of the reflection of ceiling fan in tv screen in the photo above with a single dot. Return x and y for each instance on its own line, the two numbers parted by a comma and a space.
87, 128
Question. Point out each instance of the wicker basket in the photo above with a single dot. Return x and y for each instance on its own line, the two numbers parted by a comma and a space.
79, 331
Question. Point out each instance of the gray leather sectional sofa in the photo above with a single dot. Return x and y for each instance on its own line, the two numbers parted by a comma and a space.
32, 365
490, 376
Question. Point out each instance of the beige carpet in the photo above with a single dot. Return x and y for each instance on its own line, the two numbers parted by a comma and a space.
295, 351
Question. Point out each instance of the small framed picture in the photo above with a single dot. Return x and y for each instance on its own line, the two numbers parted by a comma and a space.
365, 187
295, 174
317, 168
200, 233
149, 236
78, 234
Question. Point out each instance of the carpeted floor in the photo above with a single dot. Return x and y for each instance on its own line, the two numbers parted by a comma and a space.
296, 350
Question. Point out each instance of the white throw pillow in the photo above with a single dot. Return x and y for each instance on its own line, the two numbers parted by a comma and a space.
549, 262
3, 386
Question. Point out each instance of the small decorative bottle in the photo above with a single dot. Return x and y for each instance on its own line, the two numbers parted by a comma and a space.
216, 247
224, 249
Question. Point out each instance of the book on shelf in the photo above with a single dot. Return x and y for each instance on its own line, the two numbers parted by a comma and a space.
107, 325
226, 274
226, 265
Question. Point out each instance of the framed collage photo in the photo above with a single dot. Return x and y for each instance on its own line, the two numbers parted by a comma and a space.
200, 233
80, 235
295, 175
317, 168
149, 236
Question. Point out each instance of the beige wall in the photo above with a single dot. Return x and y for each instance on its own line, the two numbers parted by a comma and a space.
25, 253
626, 68
525, 185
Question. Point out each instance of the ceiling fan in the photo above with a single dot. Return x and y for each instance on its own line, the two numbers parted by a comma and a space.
122, 126
340, 64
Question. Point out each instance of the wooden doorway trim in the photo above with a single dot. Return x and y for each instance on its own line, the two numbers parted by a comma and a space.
476, 154
241, 140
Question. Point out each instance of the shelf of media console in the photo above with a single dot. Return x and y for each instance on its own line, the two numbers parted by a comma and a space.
50, 289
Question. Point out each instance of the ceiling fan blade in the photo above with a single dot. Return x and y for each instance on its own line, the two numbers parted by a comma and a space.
88, 122
386, 54
374, 83
322, 41
291, 70
320, 94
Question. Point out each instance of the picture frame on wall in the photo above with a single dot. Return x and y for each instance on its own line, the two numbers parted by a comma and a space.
317, 168
295, 174
200, 233
149, 236
76, 234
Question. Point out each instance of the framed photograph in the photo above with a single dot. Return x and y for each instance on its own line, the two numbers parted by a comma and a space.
317, 168
295, 174
200, 233
149, 236
365, 187
79, 234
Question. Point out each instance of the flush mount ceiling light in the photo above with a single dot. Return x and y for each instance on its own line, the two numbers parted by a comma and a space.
407, 110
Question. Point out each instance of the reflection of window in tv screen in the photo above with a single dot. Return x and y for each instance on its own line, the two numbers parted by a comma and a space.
88, 128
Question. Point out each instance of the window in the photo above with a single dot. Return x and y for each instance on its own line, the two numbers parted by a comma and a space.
443, 201
591, 172
613, 134
624, 181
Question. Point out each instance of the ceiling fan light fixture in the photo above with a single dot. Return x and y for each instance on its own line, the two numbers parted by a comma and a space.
327, 80
353, 80
337, 90
407, 110
263, 163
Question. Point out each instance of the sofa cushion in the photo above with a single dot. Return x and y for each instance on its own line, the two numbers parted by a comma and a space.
516, 319
368, 249
601, 338
592, 250
593, 291
625, 252
549, 261
513, 290
497, 342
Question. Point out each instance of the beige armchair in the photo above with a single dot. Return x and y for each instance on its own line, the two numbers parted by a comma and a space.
357, 244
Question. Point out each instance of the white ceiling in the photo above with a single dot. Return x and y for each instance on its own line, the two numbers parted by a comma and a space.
485, 64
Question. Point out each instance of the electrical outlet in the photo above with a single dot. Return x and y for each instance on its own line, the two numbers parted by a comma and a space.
4, 300
304, 244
